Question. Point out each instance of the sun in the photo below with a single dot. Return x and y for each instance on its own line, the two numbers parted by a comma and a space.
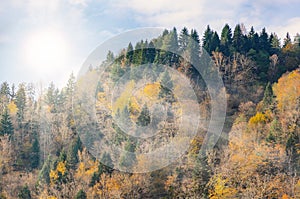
45, 52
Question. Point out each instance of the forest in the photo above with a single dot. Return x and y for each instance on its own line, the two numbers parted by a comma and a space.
48, 144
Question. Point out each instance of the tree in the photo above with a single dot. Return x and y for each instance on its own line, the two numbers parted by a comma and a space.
183, 39
268, 95
24, 193
144, 117
226, 40
287, 42
21, 102
264, 43
72, 155
166, 86
6, 126
215, 42
80, 195
207, 39
238, 39
129, 53
35, 154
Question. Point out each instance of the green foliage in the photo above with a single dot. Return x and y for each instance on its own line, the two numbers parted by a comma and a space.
268, 96
144, 117
226, 40
21, 102
166, 86
24, 193
80, 195
45, 171
35, 154
6, 126
72, 154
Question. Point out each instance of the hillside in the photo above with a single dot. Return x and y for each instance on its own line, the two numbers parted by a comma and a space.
89, 139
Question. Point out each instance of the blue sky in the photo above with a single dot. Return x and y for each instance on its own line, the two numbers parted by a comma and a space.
72, 29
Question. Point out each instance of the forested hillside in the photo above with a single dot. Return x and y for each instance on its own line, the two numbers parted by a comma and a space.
43, 153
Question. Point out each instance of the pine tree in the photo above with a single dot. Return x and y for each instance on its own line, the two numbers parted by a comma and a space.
128, 157
183, 39
45, 171
144, 117
35, 154
129, 54
226, 40
238, 39
264, 41
21, 103
268, 95
287, 40
6, 126
24, 193
72, 154
215, 42
81, 195
166, 86
207, 39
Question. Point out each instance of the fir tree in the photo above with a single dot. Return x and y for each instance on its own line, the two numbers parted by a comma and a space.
6, 126
144, 117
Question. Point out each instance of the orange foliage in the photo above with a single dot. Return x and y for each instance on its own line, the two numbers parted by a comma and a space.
287, 90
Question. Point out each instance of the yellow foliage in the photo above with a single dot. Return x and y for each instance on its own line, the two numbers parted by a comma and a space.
80, 170
123, 100
101, 97
61, 167
152, 90
221, 189
51, 197
12, 108
259, 118
53, 175
287, 90
134, 107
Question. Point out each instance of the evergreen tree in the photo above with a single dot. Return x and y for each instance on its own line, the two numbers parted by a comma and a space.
207, 39
226, 40
129, 53
183, 39
264, 41
128, 157
138, 53
45, 171
116, 72
268, 95
110, 57
4, 89
275, 43
215, 42
81, 195
24, 193
151, 52
144, 117
21, 102
6, 126
166, 86
238, 39
192, 52
287, 40
72, 155
106, 164
35, 154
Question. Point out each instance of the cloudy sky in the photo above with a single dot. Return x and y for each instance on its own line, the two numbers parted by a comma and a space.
46, 40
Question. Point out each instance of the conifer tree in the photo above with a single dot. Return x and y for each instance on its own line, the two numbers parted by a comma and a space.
6, 126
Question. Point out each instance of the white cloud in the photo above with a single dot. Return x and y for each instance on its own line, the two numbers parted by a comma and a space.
292, 26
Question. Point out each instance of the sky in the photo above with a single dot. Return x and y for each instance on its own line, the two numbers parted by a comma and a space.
46, 40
